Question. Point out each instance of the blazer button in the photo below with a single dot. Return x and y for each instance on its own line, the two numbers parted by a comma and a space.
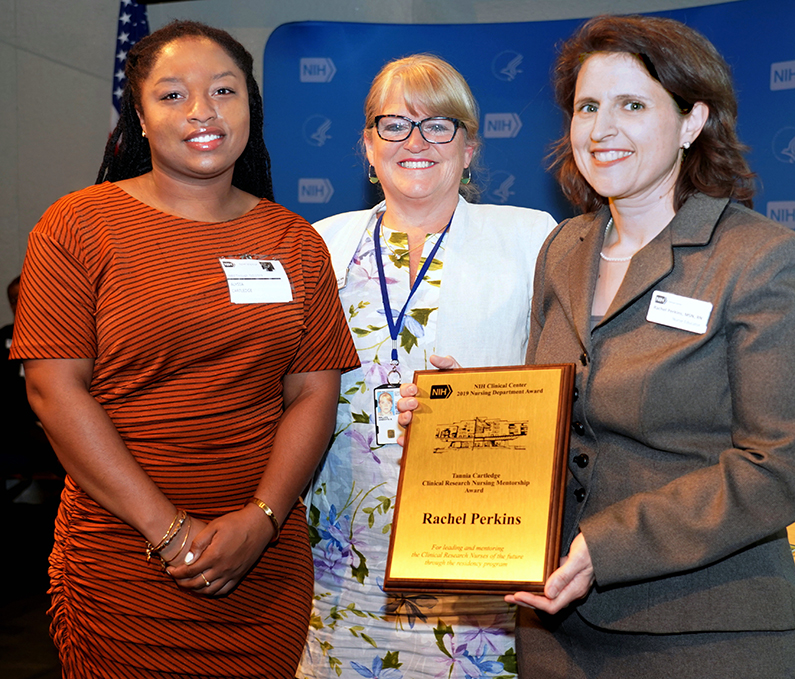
579, 494
579, 428
581, 460
576, 394
584, 358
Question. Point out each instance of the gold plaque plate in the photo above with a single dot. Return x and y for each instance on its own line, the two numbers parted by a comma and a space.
480, 496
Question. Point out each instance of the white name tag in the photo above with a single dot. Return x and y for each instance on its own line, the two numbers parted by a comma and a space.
256, 281
675, 311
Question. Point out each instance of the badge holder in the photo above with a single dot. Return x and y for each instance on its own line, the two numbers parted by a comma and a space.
385, 398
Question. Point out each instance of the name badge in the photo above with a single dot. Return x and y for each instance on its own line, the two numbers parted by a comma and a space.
256, 281
387, 428
675, 311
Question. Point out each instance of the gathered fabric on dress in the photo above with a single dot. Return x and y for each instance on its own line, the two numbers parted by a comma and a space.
193, 384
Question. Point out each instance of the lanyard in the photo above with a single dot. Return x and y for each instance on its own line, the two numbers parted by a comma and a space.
396, 325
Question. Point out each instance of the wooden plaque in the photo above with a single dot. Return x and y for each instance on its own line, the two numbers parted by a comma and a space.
480, 497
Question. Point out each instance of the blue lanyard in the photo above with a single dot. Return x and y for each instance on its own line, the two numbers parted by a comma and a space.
396, 326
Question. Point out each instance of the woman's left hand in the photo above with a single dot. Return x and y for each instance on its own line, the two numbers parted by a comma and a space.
572, 581
224, 552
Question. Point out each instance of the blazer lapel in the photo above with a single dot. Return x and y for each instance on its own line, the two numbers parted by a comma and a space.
692, 225
648, 266
583, 265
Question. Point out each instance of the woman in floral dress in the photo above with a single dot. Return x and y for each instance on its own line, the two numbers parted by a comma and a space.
425, 272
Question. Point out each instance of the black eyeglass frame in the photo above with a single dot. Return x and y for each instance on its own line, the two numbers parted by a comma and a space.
456, 122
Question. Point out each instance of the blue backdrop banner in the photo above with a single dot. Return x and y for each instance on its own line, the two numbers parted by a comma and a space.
317, 74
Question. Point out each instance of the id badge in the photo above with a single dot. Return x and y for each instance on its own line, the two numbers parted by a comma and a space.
675, 311
385, 400
256, 281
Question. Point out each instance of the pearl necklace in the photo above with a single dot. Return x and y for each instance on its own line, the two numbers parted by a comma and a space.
612, 259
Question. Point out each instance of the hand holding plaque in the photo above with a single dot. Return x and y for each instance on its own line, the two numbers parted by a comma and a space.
572, 581
407, 403
480, 494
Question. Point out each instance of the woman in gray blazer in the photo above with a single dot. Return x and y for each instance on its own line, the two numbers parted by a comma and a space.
677, 304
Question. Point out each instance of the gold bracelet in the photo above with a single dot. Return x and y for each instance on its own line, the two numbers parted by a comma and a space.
168, 531
171, 533
181, 547
269, 513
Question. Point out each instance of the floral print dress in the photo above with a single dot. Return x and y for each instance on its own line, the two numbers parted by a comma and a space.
356, 629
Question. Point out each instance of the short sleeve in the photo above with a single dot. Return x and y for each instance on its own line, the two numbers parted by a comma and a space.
326, 343
55, 316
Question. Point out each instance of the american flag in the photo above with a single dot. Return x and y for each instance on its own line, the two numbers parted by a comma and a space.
133, 25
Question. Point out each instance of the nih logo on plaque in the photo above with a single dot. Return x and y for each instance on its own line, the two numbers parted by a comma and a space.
441, 391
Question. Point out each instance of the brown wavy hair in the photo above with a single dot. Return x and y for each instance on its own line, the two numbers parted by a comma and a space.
690, 69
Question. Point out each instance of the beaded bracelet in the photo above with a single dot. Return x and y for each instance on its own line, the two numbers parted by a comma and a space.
171, 533
269, 513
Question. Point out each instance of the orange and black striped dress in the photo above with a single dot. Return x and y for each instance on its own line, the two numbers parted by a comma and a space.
192, 382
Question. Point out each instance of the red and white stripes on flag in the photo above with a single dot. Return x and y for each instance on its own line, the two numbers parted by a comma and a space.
133, 25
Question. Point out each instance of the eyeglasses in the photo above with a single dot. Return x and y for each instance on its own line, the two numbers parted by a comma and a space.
437, 130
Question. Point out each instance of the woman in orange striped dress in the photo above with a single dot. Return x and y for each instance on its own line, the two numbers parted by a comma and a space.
183, 342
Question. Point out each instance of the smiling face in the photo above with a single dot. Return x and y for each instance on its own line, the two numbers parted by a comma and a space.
385, 403
194, 110
414, 170
626, 130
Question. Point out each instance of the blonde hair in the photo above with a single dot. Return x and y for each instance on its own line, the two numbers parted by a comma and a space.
430, 84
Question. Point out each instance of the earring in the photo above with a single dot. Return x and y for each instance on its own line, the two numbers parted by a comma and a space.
372, 176
466, 176
686, 146
143, 134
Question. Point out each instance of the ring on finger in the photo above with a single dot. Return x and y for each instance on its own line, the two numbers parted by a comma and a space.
206, 582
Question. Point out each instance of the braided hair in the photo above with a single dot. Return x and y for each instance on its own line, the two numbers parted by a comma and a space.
127, 152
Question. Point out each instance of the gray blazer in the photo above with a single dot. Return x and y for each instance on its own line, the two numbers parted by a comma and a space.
682, 460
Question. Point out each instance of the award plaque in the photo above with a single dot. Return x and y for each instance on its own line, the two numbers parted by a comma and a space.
480, 497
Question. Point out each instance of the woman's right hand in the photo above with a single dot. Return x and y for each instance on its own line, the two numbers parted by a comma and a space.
407, 403
569, 583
